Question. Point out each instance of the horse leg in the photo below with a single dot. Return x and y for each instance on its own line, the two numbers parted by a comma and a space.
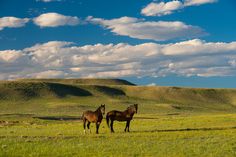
128, 123
84, 120
97, 127
112, 130
88, 126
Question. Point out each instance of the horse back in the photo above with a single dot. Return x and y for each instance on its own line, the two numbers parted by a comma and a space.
90, 116
113, 112
85, 113
118, 115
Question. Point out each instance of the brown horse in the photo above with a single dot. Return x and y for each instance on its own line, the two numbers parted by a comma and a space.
126, 115
93, 117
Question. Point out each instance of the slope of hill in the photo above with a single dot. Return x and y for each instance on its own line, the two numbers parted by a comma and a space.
30, 90
58, 94
82, 81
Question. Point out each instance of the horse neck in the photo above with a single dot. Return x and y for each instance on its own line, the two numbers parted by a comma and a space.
129, 112
98, 110
132, 113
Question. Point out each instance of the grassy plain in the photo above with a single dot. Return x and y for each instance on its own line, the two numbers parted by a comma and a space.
42, 118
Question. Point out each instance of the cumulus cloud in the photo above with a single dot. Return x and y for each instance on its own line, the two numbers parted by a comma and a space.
198, 47
162, 8
64, 59
9, 56
55, 20
140, 29
12, 22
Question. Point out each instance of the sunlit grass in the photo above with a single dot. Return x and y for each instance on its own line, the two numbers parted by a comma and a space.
159, 136
171, 121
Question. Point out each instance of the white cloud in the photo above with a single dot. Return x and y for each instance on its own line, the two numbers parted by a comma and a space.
198, 47
55, 20
12, 22
48, 74
216, 71
232, 62
140, 29
9, 55
65, 59
198, 2
113, 73
75, 69
152, 84
48, 54
162, 8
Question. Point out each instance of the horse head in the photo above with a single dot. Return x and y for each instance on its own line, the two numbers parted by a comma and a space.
133, 108
102, 108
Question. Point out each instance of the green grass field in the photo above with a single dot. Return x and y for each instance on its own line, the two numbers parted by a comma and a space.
42, 118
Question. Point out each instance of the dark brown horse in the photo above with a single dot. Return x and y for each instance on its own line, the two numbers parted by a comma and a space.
93, 117
126, 115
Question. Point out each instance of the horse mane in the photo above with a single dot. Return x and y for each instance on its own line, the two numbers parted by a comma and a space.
99, 108
130, 107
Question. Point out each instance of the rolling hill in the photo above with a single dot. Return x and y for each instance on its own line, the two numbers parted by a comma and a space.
82, 81
71, 95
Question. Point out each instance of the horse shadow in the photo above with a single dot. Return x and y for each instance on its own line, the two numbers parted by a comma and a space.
59, 118
186, 129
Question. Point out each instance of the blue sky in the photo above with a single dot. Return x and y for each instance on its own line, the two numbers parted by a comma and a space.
169, 43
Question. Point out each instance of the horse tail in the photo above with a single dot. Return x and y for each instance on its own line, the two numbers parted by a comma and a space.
107, 118
82, 117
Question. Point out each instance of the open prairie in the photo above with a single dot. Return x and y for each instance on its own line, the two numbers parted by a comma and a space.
42, 118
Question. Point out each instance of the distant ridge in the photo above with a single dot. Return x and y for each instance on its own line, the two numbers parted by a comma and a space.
114, 91
83, 81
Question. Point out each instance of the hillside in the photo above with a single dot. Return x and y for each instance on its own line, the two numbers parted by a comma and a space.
82, 81
73, 95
